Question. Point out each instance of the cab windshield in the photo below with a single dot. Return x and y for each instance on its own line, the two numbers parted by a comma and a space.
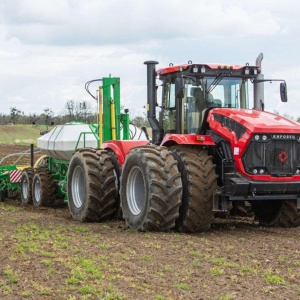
199, 95
211, 92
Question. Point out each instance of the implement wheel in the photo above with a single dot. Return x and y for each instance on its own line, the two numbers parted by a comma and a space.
199, 181
26, 186
43, 188
271, 213
91, 185
150, 189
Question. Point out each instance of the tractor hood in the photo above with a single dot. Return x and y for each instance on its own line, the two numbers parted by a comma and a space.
257, 121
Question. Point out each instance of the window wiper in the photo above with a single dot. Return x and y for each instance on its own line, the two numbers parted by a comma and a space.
215, 83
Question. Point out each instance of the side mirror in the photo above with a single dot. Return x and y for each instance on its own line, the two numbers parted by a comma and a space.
283, 92
179, 87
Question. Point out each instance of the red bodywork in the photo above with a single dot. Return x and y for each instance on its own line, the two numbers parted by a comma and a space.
187, 139
122, 148
255, 122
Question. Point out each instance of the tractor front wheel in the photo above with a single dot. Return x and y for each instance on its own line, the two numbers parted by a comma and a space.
150, 189
91, 185
26, 186
272, 213
43, 188
199, 181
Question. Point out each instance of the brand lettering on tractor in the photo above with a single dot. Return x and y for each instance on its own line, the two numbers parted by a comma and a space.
284, 136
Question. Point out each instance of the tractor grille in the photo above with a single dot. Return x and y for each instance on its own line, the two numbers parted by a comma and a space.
276, 155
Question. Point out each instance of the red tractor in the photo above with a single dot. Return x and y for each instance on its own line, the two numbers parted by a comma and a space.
209, 152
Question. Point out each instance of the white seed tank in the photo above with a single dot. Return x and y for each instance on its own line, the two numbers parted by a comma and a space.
61, 141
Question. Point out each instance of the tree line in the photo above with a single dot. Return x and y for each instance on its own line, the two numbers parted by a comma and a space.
73, 112
80, 111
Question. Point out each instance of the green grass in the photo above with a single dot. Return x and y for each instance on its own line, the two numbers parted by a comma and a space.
182, 286
20, 134
217, 271
274, 279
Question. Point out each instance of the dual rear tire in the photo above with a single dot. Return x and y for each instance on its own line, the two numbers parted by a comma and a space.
92, 186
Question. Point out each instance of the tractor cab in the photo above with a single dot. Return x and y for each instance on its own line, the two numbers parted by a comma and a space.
190, 91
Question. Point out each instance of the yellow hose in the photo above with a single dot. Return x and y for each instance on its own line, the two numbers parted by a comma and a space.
100, 116
113, 120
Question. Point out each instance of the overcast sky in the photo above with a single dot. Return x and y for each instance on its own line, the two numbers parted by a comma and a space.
50, 48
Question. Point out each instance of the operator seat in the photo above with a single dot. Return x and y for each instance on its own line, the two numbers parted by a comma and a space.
198, 98
211, 102
198, 104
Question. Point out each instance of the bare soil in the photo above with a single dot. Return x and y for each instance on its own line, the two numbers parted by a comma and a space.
17, 154
45, 254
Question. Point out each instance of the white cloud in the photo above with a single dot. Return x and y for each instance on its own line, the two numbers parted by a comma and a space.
49, 49
94, 22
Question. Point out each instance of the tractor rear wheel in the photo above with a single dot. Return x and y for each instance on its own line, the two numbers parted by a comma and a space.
277, 213
91, 185
117, 173
26, 186
199, 181
150, 189
43, 188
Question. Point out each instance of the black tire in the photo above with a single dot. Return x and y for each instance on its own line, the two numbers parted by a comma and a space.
199, 181
117, 172
150, 189
43, 188
272, 213
91, 186
26, 186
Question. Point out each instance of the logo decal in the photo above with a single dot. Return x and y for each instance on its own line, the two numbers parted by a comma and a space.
283, 156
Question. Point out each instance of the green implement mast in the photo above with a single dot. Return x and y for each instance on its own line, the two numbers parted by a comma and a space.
111, 120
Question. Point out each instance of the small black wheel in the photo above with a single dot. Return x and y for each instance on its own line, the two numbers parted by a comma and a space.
150, 189
43, 188
91, 185
26, 186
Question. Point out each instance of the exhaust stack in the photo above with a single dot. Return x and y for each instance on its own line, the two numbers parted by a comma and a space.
157, 131
259, 86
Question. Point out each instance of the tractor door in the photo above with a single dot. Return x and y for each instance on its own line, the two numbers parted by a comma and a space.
182, 114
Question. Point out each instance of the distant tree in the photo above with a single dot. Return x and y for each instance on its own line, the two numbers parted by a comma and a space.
4, 119
33, 118
140, 121
14, 115
78, 111
84, 111
48, 115
70, 107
